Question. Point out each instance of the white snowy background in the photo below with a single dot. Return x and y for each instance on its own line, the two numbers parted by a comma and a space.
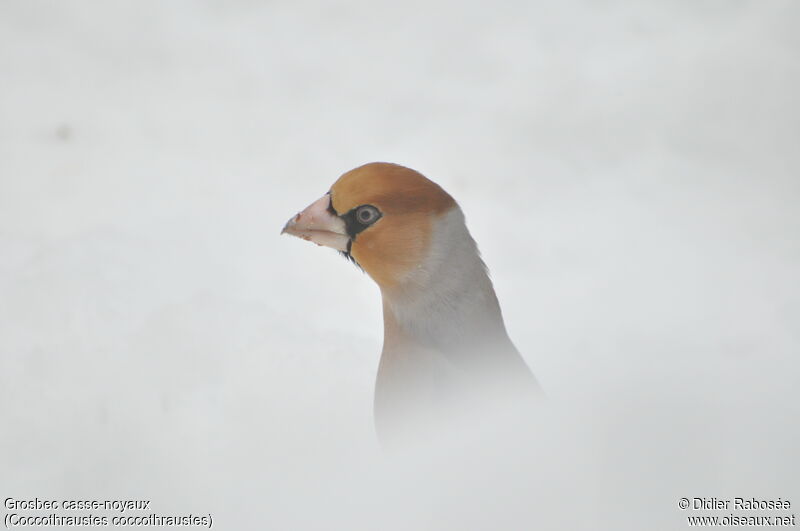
630, 170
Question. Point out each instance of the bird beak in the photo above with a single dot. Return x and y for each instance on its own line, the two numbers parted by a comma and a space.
317, 224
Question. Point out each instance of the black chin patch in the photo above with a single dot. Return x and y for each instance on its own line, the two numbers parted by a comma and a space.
349, 256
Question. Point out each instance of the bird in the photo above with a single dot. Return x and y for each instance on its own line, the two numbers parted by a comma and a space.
446, 352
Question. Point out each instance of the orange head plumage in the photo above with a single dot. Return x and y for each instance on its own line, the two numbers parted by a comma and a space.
380, 215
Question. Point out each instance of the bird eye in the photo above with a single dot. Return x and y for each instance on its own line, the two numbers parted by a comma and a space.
367, 214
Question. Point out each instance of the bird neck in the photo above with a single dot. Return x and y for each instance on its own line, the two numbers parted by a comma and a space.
448, 300
446, 352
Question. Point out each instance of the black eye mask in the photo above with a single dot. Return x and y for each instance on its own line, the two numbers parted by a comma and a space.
360, 218
355, 221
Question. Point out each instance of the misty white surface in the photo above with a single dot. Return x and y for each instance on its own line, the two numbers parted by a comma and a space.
629, 170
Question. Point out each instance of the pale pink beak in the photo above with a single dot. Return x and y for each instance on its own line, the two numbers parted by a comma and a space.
316, 224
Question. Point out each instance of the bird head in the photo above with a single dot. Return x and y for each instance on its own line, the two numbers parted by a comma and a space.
379, 215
